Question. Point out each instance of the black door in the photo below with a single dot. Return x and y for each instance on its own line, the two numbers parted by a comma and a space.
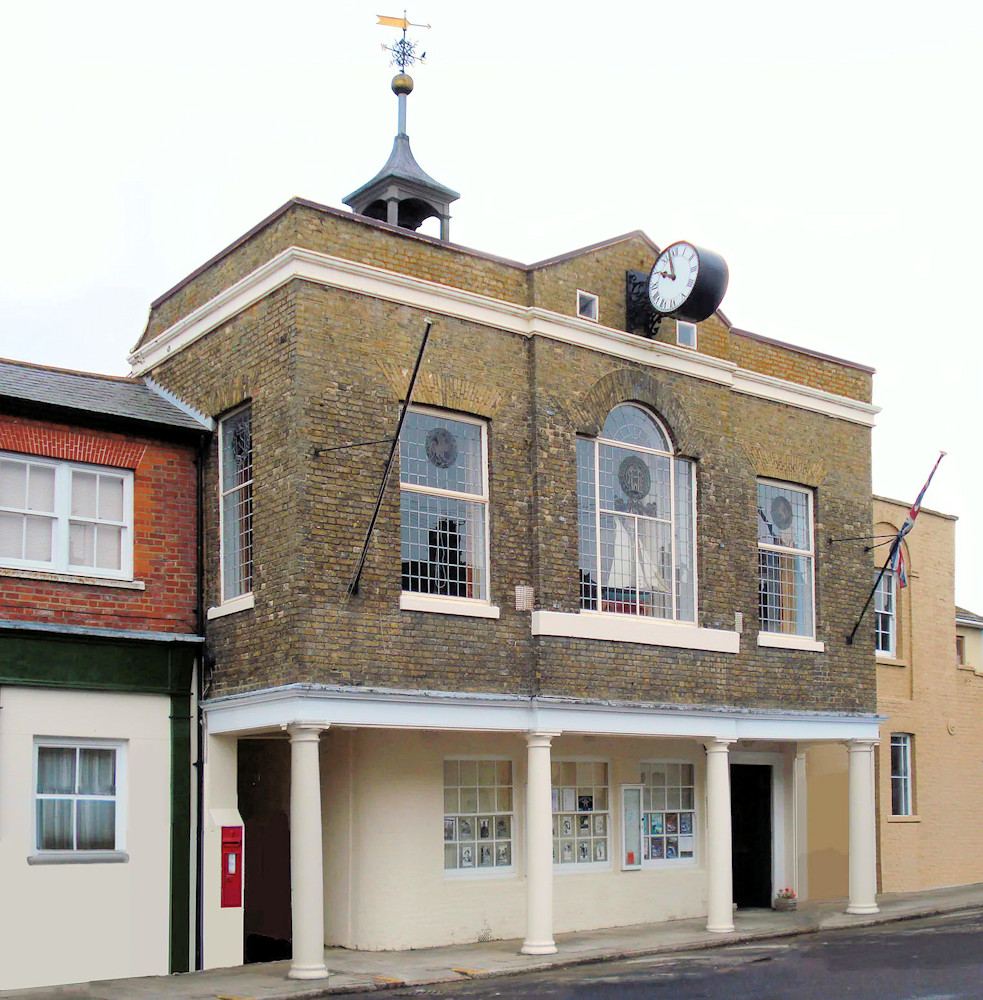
750, 810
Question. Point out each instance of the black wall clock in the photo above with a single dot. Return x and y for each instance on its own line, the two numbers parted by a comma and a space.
687, 282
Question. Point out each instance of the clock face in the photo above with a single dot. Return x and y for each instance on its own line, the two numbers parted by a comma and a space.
674, 277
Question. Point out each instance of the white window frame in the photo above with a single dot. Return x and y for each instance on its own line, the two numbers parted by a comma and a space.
673, 518
960, 650
479, 606
687, 341
887, 586
62, 518
593, 303
476, 870
240, 599
560, 866
39, 854
903, 778
792, 640
665, 862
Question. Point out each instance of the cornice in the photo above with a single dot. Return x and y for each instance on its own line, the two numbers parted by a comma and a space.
524, 321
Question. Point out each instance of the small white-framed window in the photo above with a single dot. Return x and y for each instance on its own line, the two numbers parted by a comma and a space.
636, 518
588, 306
581, 812
668, 812
786, 559
885, 616
66, 517
902, 774
79, 805
685, 333
235, 466
478, 814
443, 480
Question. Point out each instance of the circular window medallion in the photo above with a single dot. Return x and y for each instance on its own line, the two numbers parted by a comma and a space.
441, 447
781, 513
634, 478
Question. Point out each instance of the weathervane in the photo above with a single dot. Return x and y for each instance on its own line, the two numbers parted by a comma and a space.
402, 51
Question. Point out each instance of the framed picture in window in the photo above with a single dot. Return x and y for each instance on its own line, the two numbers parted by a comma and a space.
585, 803
484, 828
466, 833
449, 828
584, 824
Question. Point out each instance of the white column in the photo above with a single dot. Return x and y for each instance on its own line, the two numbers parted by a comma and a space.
720, 875
800, 800
306, 861
539, 846
863, 828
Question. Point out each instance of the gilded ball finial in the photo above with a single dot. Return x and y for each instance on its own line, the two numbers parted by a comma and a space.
402, 84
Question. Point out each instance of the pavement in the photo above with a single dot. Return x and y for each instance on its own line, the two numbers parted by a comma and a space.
367, 971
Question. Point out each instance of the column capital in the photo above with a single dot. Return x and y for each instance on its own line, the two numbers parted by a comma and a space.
719, 744
862, 746
541, 737
301, 732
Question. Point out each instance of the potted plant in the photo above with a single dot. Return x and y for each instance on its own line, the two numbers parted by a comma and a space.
785, 900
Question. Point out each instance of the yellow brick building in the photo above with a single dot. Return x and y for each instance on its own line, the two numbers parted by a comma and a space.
930, 691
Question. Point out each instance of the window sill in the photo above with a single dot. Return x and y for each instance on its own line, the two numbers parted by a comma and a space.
409, 601
92, 581
779, 640
969, 667
232, 606
586, 867
629, 628
904, 819
79, 858
467, 874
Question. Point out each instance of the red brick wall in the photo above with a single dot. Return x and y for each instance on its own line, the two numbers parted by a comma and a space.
164, 539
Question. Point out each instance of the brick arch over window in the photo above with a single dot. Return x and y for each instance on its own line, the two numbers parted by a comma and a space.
628, 386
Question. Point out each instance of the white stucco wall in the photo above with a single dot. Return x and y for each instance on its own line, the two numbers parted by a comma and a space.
385, 885
63, 923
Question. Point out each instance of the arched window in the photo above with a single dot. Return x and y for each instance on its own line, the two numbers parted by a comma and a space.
635, 503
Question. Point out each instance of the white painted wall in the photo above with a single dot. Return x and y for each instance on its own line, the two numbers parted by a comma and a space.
222, 926
79, 922
385, 886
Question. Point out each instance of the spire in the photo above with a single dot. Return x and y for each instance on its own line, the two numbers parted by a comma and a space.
402, 192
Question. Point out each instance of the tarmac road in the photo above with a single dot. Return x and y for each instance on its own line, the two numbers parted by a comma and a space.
936, 958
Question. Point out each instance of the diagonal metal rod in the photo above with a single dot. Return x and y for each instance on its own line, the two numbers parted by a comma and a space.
393, 451
877, 583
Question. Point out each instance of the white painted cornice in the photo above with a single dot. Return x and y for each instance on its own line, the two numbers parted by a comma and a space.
524, 321
270, 709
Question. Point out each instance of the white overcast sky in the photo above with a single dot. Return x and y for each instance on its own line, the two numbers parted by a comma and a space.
830, 152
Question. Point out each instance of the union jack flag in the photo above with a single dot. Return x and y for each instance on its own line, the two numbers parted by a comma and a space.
896, 558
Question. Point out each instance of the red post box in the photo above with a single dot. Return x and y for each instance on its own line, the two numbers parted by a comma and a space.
231, 866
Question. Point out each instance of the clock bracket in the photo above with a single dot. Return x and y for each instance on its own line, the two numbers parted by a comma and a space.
640, 317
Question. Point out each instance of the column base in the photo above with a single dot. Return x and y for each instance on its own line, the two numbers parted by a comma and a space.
308, 972
863, 908
720, 928
534, 948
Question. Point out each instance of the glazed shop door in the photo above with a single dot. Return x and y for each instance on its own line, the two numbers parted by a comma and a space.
750, 810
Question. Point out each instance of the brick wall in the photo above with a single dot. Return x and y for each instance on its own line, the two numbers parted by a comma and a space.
324, 367
164, 488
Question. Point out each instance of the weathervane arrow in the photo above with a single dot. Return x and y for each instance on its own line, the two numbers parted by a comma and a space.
403, 51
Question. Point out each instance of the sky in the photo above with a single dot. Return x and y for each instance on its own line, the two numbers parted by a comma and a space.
829, 152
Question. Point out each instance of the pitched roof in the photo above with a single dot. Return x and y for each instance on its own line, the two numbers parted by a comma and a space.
968, 617
104, 395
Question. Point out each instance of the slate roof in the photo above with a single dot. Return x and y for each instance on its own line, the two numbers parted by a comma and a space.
969, 617
104, 395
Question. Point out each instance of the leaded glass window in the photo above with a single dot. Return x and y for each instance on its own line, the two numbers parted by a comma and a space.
443, 505
236, 475
785, 559
635, 508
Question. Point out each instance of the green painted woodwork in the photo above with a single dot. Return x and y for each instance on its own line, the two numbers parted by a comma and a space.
180, 831
89, 663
